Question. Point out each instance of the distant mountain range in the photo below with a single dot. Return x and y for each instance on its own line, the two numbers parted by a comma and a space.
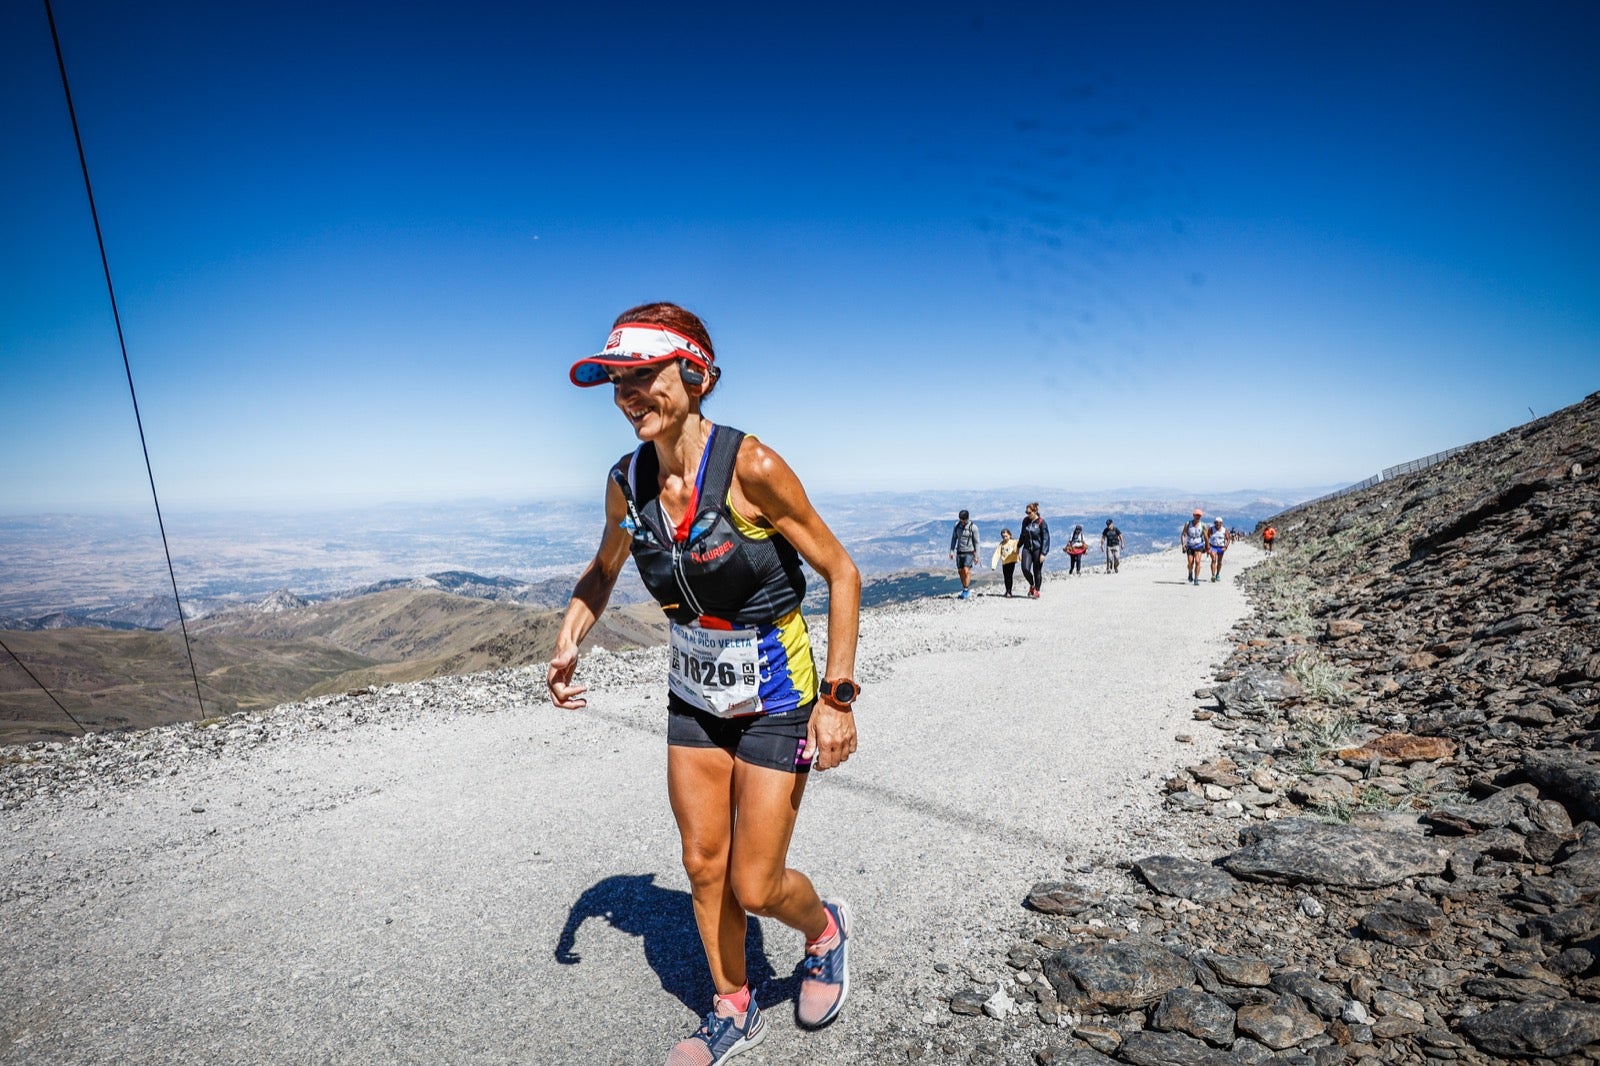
281, 608
157, 612
62, 571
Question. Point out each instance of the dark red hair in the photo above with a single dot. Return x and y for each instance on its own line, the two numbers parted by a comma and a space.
673, 317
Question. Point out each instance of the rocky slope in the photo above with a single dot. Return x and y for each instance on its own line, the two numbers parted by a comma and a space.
1397, 859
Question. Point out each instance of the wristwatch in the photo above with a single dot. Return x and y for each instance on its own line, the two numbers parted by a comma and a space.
841, 693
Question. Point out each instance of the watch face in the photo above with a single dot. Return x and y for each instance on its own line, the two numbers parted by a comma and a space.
845, 691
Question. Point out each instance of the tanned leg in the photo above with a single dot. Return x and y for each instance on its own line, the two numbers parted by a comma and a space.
768, 801
700, 785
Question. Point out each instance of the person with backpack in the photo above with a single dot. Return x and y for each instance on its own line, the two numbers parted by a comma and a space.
1268, 537
964, 550
718, 525
1077, 547
1192, 538
1035, 539
1111, 544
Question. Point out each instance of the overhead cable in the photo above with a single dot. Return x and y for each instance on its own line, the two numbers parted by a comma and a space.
41, 684
105, 263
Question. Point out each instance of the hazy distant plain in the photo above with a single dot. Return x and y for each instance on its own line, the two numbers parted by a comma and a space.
87, 563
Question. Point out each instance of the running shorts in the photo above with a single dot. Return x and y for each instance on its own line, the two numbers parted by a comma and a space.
964, 560
776, 741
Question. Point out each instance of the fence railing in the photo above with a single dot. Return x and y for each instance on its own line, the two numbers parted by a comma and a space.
1388, 474
1421, 464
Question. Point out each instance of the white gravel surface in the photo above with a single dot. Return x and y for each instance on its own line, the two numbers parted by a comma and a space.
504, 887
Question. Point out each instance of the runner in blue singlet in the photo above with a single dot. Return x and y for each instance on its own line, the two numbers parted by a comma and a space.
1218, 542
1192, 537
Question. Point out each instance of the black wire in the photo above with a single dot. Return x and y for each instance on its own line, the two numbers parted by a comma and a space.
41, 684
105, 263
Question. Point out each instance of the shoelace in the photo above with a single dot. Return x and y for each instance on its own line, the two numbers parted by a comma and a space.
712, 1028
823, 967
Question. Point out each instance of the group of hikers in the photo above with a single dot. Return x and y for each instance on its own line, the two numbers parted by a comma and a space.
1029, 548
1200, 543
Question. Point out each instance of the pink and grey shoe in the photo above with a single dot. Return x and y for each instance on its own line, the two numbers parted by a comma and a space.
825, 973
720, 1037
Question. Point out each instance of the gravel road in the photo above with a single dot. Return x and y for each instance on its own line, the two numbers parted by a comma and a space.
504, 887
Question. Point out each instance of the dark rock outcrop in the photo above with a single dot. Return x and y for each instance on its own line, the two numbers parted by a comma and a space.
1115, 977
1300, 850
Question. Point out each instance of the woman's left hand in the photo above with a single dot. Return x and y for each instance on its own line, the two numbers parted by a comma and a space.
830, 736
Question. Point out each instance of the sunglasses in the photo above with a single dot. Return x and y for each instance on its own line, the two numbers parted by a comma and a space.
640, 375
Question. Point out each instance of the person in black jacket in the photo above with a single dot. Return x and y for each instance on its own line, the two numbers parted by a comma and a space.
1111, 541
1035, 538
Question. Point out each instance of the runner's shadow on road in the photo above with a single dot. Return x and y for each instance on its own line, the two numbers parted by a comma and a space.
663, 919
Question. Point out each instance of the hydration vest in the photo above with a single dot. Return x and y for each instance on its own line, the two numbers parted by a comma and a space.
704, 568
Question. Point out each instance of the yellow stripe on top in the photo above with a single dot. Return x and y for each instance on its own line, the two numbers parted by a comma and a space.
746, 528
790, 630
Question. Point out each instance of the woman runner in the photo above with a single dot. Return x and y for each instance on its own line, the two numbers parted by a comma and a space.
1193, 539
717, 524
1218, 545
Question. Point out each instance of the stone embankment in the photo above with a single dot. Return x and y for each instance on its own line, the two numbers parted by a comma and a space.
1396, 859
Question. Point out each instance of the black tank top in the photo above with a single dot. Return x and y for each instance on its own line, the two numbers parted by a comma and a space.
711, 570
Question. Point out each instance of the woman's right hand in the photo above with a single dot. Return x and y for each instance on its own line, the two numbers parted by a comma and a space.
563, 692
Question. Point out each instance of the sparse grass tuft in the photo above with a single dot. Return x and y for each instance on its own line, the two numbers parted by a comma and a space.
1285, 596
1308, 762
1325, 732
1424, 792
1320, 681
1367, 798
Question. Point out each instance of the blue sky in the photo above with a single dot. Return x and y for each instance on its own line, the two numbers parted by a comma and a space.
357, 246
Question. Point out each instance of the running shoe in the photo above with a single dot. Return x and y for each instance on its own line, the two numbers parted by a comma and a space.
720, 1037
825, 976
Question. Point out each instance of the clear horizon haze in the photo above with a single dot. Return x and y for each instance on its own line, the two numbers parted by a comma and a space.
357, 247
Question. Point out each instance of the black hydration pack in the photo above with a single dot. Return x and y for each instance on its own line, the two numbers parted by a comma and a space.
713, 571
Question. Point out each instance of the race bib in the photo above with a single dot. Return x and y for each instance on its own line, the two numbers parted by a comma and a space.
716, 670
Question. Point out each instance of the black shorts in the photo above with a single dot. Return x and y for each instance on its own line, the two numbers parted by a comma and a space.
776, 741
